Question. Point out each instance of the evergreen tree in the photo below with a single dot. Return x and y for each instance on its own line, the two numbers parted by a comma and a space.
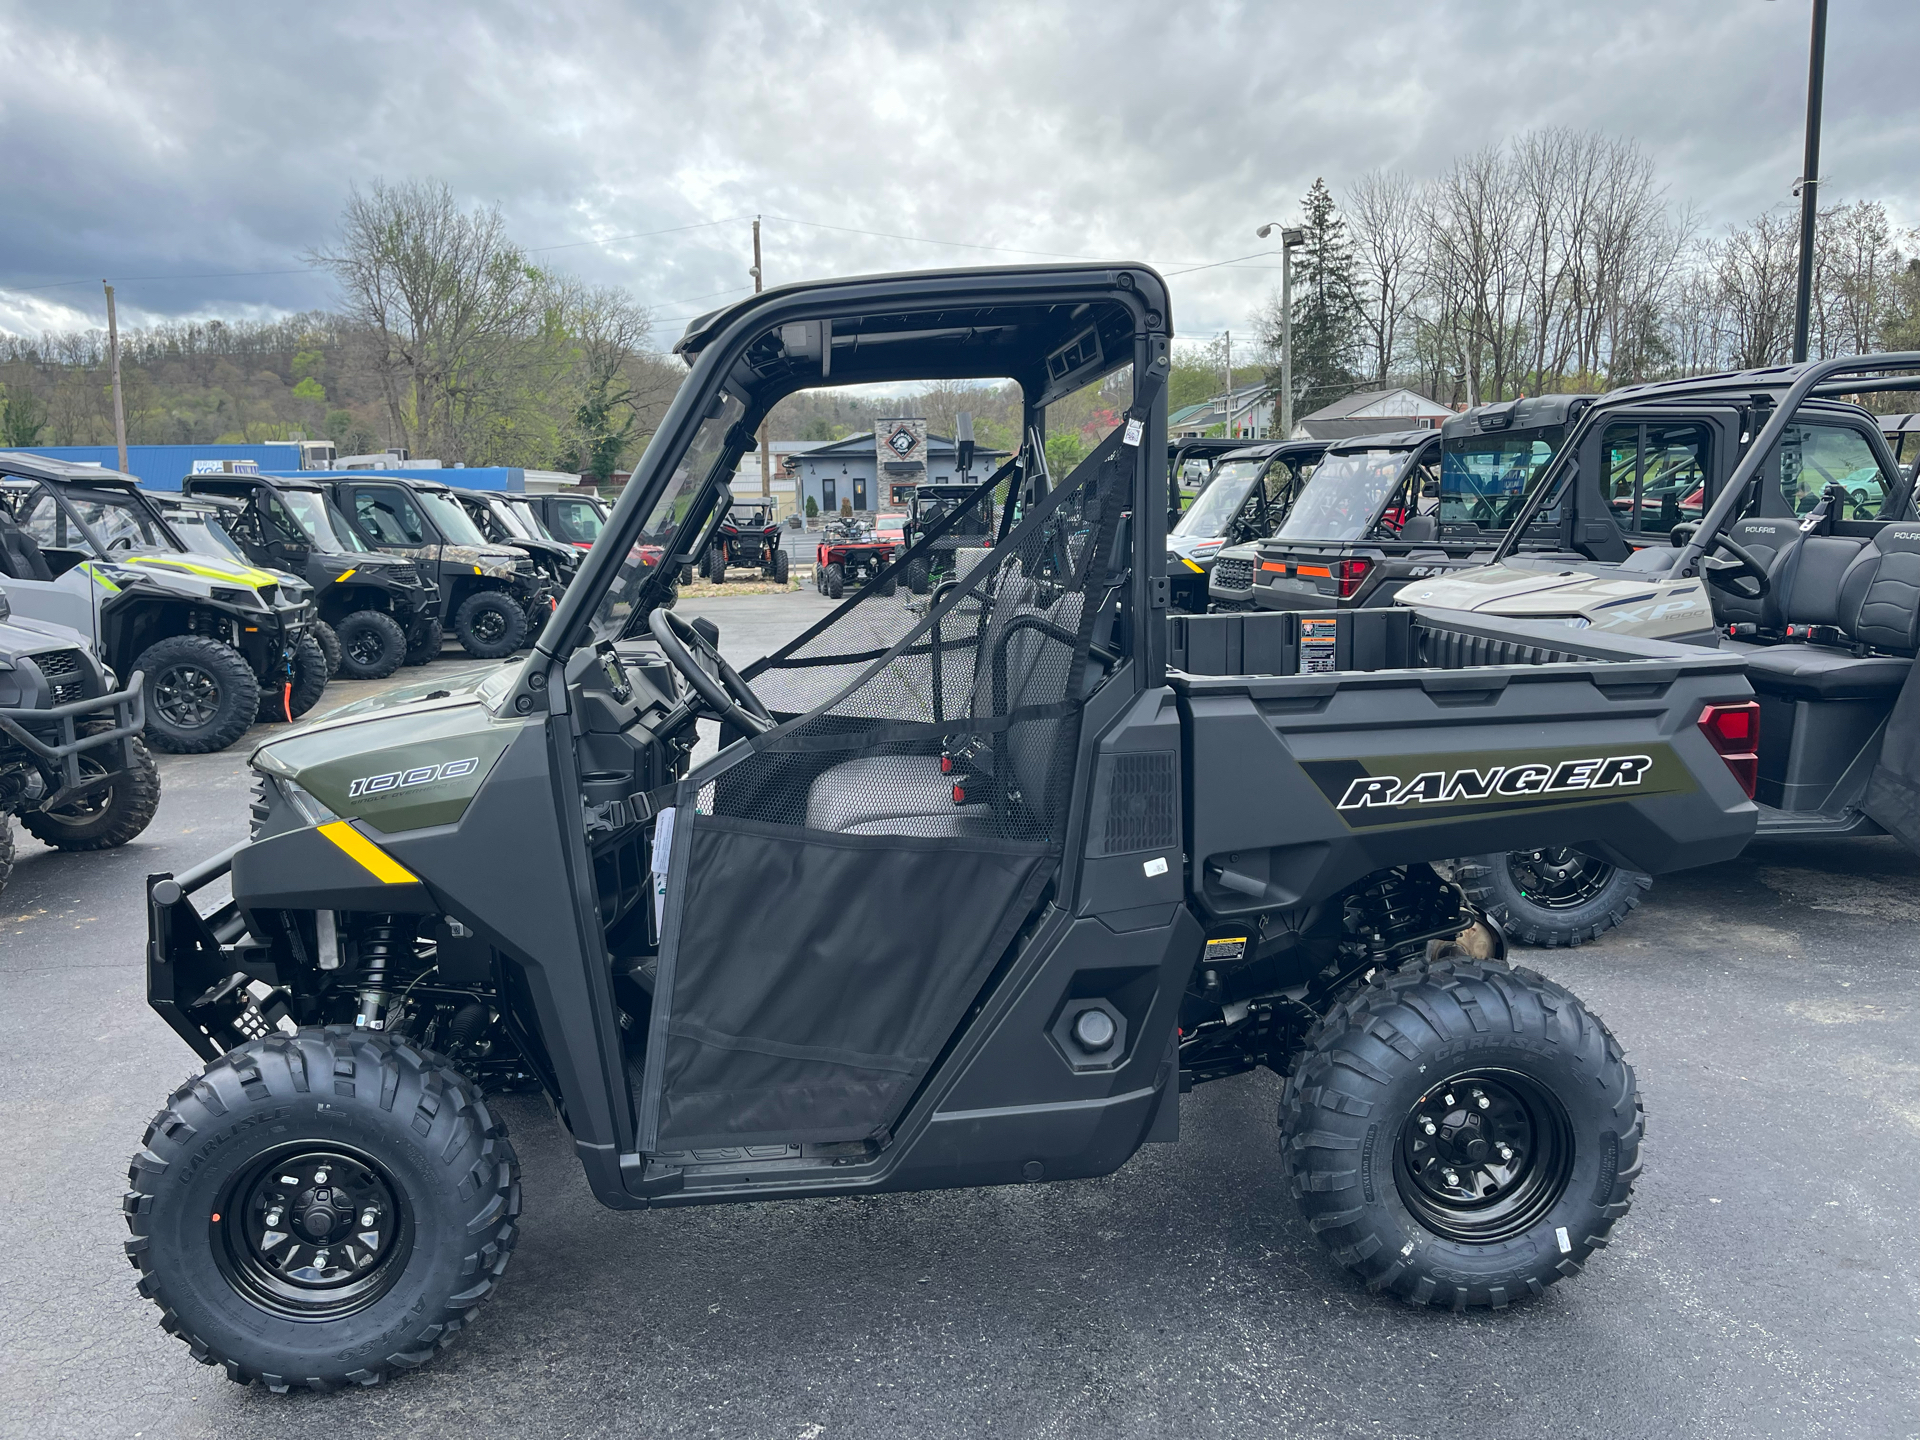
1326, 309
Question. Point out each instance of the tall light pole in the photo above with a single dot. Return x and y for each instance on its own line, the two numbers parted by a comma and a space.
1228, 337
766, 460
113, 367
1289, 237
1810, 180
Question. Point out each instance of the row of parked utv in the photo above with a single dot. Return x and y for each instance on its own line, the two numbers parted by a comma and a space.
129, 617
1591, 512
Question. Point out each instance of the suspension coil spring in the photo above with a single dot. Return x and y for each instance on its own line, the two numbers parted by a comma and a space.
379, 943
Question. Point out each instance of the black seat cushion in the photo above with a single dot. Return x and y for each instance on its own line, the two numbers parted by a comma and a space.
1880, 592
1815, 672
20, 557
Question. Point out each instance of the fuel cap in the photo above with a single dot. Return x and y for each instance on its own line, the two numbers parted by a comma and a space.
1093, 1029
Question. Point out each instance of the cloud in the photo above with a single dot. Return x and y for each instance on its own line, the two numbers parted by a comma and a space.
177, 141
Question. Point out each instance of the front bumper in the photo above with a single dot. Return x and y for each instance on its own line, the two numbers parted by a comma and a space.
52, 736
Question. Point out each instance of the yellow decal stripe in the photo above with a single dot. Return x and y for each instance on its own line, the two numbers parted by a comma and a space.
348, 575
370, 856
1198, 570
237, 575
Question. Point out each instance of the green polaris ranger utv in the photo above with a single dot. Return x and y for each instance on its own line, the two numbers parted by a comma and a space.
217, 639
1145, 853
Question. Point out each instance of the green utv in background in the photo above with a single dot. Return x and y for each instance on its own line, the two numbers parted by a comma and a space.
376, 612
1146, 852
489, 594
216, 639
72, 768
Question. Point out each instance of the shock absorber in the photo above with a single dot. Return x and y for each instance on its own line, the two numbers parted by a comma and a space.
379, 943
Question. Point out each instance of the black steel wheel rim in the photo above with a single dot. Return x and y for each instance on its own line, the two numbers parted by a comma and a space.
187, 696
1483, 1156
489, 624
366, 647
1558, 878
312, 1232
93, 803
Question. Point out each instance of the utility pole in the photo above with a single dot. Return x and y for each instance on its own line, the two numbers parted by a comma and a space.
1809, 186
113, 368
766, 460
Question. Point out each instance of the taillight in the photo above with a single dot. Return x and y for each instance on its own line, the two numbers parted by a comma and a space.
1350, 573
1734, 731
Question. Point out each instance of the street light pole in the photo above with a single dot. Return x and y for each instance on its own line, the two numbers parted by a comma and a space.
1228, 337
1289, 237
1810, 181
113, 368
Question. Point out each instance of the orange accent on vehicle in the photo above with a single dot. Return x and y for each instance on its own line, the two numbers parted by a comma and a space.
1320, 570
1274, 566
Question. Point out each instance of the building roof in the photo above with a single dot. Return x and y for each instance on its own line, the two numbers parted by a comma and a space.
862, 443
1395, 402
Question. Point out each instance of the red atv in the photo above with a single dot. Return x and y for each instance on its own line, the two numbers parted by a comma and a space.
850, 552
749, 536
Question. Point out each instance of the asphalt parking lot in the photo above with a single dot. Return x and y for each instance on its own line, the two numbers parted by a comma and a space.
1765, 1284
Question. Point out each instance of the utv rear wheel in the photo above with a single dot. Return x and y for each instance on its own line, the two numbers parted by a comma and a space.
717, 565
887, 586
104, 818
833, 581
372, 645
1551, 897
321, 1209
917, 576
490, 625
6, 848
201, 695
330, 644
1458, 1133
425, 641
781, 565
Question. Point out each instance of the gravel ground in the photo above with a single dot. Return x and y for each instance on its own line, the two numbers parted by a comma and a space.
1765, 1284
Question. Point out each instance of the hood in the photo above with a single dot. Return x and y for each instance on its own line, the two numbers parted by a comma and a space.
1196, 547
210, 568
407, 759
1510, 590
21, 636
495, 561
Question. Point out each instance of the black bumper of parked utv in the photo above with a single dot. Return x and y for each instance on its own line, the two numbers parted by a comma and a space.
52, 736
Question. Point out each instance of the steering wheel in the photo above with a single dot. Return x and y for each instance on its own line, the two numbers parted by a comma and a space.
1743, 567
729, 696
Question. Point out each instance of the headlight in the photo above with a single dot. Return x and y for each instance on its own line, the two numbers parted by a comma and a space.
245, 599
311, 809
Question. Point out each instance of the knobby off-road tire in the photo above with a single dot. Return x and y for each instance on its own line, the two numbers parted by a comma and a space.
917, 576
425, 641
6, 849
309, 682
372, 645
1386, 1058
833, 581
409, 1135
330, 644
106, 818
201, 694
717, 565
782, 565
1574, 898
490, 625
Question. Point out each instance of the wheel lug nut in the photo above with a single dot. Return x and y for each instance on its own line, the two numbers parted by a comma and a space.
366, 1219
1481, 1101
1427, 1125
1452, 1177
1506, 1152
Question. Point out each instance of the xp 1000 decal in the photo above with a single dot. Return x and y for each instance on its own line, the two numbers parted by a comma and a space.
1404, 790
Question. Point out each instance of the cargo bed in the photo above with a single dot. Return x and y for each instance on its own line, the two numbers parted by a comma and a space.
1322, 748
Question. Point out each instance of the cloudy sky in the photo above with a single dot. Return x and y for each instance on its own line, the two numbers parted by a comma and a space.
168, 145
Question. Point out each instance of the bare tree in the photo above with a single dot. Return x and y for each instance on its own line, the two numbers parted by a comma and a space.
1388, 249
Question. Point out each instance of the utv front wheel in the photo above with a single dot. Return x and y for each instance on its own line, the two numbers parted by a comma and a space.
372, 645
490, 625
309, 682
1460, 1134
321, 1209
425, 640
104, 818
6, 848
1551, 897
329, 644
917, 576
201, 695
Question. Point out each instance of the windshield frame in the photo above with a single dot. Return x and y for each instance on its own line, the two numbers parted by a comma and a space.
1219, 483
437, 505
63, 497
1556, 435
346, 540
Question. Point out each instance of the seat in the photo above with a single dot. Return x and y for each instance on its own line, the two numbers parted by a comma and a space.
1815, 672
20, 557
1420, 528
1769, 541
892, 795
